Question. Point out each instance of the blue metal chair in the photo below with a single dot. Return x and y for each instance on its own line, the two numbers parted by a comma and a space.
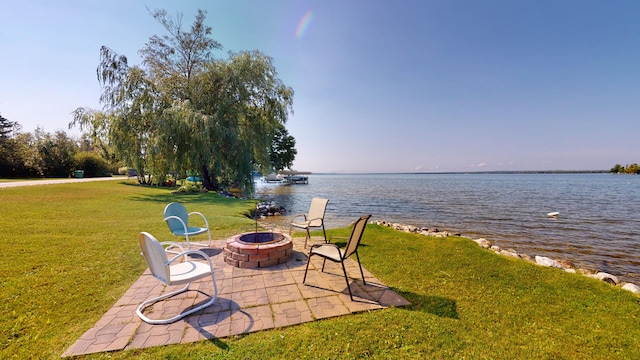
177, 218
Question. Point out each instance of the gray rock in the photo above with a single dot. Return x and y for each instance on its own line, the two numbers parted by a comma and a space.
631, 287
483, 242
545, 261
528, 257
586, 272
510, 252
608, 278
566, 264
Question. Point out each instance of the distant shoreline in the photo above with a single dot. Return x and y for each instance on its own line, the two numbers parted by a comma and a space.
472, 172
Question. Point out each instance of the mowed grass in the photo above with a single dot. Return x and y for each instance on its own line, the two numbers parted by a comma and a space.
70, 251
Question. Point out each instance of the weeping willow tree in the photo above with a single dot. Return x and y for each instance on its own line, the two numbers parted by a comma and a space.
244, 105
183, 111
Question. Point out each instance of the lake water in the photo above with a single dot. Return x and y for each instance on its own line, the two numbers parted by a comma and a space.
598, 227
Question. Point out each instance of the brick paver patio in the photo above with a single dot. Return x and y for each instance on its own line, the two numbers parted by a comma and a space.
248, 300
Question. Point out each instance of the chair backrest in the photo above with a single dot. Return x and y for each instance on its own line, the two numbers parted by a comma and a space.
176, 209
156, 257
316, 211
356, 236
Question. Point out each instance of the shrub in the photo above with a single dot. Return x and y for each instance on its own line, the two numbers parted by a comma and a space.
189, 186
93, 164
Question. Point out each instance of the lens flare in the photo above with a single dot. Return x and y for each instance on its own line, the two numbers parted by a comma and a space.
304, 24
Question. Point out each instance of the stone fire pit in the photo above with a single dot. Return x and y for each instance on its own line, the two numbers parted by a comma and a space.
258, 249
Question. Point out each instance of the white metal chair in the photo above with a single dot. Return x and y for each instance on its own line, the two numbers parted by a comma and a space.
173, 272
177, 218
334, 253
313, 219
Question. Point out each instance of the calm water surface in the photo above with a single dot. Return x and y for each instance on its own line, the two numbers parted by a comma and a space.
598, 226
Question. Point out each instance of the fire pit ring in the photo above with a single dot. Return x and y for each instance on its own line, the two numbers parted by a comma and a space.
258, 249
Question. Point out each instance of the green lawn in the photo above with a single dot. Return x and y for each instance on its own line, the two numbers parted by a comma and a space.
70, 251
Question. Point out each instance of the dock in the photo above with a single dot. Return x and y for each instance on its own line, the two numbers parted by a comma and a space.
292, 177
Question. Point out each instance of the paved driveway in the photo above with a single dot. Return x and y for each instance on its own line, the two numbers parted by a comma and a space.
8, 184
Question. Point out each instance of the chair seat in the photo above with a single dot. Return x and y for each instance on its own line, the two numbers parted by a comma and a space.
328, 251
303, 225
190, 231
188, 271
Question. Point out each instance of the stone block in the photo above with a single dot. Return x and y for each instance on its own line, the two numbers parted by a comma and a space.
267, 263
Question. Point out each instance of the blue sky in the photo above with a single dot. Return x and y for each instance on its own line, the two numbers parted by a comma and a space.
380, 86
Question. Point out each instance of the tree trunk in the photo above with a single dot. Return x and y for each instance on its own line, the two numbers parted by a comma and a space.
208, 182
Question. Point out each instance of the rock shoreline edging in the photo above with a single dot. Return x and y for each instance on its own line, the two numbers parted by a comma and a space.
564, 265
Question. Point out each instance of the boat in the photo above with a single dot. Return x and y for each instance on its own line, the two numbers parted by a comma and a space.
292, 177
553, 214
296, 179
273, 179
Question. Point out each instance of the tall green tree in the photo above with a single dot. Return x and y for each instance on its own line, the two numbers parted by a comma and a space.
282, 151
7, 128
24, 155
617, 169
130, 105
185, 111
55, 154
7, 150
633, 169
245, 105
95, 125
628, 169
172, 59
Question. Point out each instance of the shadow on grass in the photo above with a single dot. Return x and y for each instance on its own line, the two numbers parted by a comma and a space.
195, 199
435, 305
342, 244
199, 198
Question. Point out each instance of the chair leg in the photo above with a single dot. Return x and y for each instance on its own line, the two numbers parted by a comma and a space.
325, 233
307, 237
187, 240
202, 244
344, 270
361, 273
142, 306
307, 268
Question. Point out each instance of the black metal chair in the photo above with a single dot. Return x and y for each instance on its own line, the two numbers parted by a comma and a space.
334, 253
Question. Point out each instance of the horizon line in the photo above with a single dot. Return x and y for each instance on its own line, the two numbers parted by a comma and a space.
468, 172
